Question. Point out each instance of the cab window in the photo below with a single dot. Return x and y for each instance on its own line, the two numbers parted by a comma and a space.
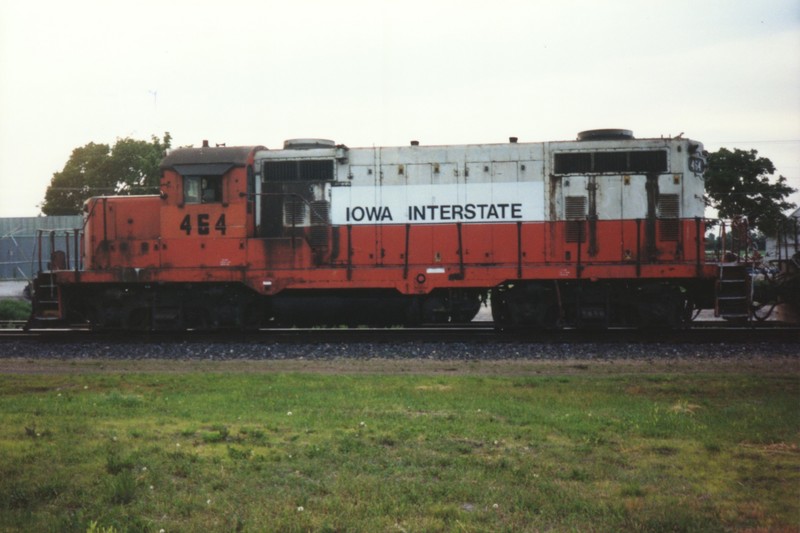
202, 189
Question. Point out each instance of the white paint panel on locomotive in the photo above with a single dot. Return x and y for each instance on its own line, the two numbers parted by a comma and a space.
442, 184
414, 184
447, 184
612, 176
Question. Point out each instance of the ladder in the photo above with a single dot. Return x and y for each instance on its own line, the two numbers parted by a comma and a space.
734, 294
48, 298
47, 301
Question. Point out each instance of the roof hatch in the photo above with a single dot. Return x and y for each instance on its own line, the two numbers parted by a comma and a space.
611, 134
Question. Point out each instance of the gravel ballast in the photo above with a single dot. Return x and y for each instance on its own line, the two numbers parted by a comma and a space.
481, 351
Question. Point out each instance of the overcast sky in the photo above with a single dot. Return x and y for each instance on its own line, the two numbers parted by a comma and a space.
364, 73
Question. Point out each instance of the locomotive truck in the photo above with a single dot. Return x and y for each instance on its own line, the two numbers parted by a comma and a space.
605, 230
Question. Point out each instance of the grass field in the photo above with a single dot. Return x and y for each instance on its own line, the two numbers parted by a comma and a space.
399, 446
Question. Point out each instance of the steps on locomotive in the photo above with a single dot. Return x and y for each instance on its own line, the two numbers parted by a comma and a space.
734, 292
48, 300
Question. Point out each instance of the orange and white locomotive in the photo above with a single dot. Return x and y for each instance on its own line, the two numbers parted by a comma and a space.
600, 231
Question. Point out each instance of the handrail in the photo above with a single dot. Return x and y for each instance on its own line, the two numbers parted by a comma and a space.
68, 259
734, 242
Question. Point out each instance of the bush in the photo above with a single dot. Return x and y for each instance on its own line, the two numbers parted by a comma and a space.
14, 309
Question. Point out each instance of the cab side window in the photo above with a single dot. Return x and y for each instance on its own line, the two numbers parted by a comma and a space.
202, 189
191, 189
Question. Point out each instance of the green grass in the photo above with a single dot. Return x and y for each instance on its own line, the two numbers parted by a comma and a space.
185, 450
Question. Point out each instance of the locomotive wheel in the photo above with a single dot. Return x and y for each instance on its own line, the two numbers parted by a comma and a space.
94, 315
663, 306
453, 306
434, 310
531, 305
139, 319
465, 305
199, 318
250, 316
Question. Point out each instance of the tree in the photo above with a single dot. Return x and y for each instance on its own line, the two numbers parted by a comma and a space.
738, 183
129, 167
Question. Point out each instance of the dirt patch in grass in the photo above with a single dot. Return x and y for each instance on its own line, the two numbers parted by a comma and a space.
762, 365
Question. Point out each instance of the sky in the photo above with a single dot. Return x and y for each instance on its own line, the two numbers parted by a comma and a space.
381, 73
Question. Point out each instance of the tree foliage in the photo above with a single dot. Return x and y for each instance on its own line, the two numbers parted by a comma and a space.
738, 183
129, 167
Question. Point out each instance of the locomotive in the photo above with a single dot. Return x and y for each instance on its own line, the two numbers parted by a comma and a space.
605, 230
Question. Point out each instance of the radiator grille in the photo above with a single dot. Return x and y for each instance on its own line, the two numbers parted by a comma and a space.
320, 222
668, 210
575, 213
294, 212
615, 162
302, 170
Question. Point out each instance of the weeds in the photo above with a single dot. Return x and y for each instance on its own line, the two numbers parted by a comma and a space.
123, 488
218, 433
12, 309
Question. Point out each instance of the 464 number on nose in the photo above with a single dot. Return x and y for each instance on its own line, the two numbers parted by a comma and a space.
203, 224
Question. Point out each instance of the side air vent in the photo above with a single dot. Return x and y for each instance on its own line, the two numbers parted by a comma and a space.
320, 223
295, 212
668, 211
575, 213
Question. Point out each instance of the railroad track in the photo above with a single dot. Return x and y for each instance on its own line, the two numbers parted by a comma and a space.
12, 324
475, 332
